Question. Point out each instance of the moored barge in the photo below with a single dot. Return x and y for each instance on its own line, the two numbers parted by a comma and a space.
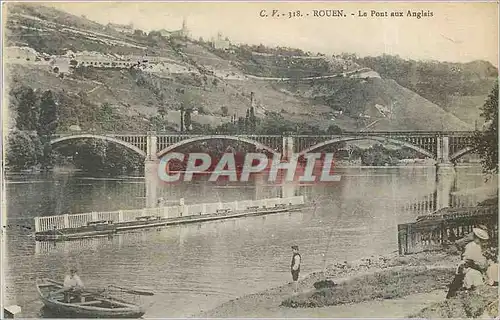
99, 224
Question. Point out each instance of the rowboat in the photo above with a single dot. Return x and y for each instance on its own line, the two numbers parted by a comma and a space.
89, 304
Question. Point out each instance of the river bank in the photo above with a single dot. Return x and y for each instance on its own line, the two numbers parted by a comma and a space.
384, 286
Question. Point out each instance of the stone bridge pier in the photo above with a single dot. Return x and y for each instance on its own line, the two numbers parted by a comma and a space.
443, 162
151, 177
288, 147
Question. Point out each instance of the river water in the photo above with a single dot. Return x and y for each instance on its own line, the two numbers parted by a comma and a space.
197, 267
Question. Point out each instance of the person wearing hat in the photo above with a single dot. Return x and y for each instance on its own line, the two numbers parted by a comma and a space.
473, 260
73, 285
461, 243
474, 263
295, 267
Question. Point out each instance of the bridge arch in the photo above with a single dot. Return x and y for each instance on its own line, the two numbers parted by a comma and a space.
223, 137
98, 137
460, 153
375, 138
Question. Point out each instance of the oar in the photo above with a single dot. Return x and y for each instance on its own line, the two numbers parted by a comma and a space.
95, 291
134, 291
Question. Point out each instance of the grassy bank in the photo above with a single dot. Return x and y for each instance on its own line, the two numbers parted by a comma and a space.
390, 277
387, 284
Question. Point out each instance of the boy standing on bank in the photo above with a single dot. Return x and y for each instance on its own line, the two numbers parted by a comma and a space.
295, 267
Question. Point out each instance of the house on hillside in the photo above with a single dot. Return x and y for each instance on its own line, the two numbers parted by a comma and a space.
165, 33
123, 28
60, 65
21, 53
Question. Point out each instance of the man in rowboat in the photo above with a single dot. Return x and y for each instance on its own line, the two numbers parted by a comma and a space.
72, 281
73, 285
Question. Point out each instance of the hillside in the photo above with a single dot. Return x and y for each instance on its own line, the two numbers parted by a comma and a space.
217, 83
458, 88
383, 103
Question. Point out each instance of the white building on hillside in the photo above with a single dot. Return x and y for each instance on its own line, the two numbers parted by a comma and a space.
165, 33
222, 44
183, 32
21, 53
123, 28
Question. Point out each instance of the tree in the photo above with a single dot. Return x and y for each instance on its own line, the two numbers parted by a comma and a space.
26, 105
187, 120
486, 142
22, 151
241, 124
252, 119
334, 129
47, 159
162, 110
182, 118
106, 116
247, 119
47, 123
224, 110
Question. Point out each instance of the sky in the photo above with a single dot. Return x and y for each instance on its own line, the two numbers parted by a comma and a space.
458, 32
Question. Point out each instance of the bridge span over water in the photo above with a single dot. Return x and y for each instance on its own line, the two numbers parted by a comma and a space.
443, 146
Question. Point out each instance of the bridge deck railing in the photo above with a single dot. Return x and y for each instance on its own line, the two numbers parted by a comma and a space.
447, 225
368, 133
66, 221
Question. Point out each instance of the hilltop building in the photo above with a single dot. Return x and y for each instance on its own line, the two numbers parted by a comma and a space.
184, 32
220, 43
165, 33
181, 33
123, 28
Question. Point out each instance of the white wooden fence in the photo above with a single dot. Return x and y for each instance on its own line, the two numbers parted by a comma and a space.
81, 219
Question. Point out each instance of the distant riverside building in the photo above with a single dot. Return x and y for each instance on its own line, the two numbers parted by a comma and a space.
123, 28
